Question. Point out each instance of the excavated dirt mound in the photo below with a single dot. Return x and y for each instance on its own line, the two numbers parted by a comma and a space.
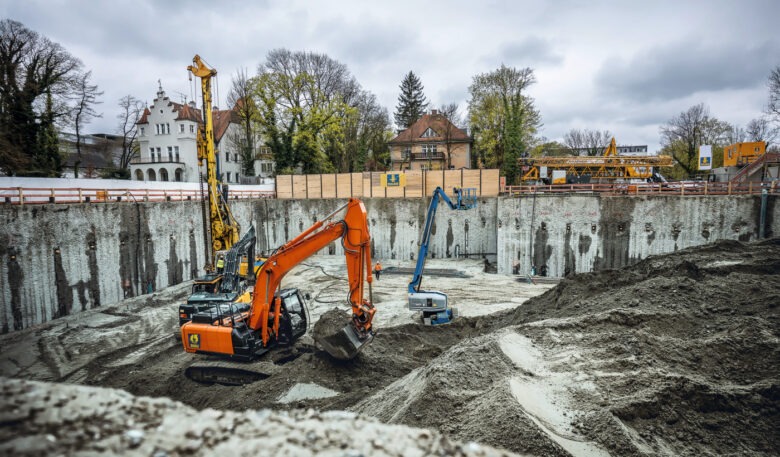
48, 419
677, 355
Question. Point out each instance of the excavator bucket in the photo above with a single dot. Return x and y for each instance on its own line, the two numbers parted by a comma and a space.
341, 341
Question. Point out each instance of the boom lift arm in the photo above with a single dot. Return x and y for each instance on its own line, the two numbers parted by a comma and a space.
268, 320
223, 227
434, 304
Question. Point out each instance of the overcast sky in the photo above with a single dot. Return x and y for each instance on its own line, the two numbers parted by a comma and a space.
623, 66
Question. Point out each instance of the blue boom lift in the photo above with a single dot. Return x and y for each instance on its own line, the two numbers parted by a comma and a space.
433, 304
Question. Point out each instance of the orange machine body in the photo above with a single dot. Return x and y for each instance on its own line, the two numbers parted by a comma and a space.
263, 317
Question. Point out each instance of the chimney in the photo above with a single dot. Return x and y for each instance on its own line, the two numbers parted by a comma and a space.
434, 112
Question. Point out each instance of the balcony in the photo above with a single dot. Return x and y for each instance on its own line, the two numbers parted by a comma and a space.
427, 156
149, 160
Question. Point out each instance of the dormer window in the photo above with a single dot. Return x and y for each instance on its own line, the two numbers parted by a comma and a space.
429, 133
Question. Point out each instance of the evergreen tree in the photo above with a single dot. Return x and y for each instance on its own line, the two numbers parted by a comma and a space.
411, 101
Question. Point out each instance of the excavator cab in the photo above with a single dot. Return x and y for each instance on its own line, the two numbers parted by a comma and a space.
225, 326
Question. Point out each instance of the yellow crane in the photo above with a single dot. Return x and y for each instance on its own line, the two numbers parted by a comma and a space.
223, 231
607, 166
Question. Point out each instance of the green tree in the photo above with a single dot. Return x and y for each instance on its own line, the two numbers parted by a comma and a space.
411, 101
503, 118
36, 78
682, 135
314, 115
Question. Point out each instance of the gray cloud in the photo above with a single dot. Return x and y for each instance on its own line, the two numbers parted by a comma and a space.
677, 71
531, 52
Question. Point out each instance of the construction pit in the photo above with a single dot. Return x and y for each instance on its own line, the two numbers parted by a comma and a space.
678, 354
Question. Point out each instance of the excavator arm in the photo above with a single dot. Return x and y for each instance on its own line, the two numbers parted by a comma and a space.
356, 241
247, 333
434, 304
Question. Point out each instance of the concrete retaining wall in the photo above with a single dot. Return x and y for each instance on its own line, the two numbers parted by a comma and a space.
60, 259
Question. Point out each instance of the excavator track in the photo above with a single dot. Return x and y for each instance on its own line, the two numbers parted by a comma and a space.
230, 373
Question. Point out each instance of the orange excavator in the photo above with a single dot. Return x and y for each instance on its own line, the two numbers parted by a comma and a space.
278, 317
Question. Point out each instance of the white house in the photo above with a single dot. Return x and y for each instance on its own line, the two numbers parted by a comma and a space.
167, 134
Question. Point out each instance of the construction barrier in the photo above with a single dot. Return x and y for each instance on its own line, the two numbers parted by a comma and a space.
407, 184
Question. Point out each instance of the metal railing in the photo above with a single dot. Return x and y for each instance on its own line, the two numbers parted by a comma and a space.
151, 160
39, 195
681, 188
427, 156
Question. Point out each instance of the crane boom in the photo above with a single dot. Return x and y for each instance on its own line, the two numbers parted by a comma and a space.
223, 226
433, 304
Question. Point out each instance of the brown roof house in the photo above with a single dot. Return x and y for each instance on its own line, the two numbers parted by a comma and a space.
431, 143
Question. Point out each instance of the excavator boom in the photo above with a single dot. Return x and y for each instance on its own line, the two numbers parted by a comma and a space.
268, 322
434, 304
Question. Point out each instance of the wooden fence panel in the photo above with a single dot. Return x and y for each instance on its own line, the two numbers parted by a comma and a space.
356, 180
343, 185
433, 179
490, 183
314, 186
452, 178
299, 186
328, 186
367, 185
471, 179
414, 184
394, 192
284, 186
376, 185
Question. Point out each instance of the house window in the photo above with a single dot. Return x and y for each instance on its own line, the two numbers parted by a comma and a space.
157, 129
227, 157
228, 177
425, 167
406, 154
168, 129
181, 128
142, 132
429, 150
151, 153
176, 152
192, 128
170, 154
159, 154
429, 133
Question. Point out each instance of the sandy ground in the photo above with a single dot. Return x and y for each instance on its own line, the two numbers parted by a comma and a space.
677, 355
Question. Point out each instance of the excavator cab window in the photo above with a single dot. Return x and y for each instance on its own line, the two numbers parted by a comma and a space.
295, 308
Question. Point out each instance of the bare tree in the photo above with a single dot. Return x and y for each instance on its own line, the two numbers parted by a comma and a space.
128, 118
451, 113
774, 93
761, 129
592, 142
83, 111
683, 134
246, 139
